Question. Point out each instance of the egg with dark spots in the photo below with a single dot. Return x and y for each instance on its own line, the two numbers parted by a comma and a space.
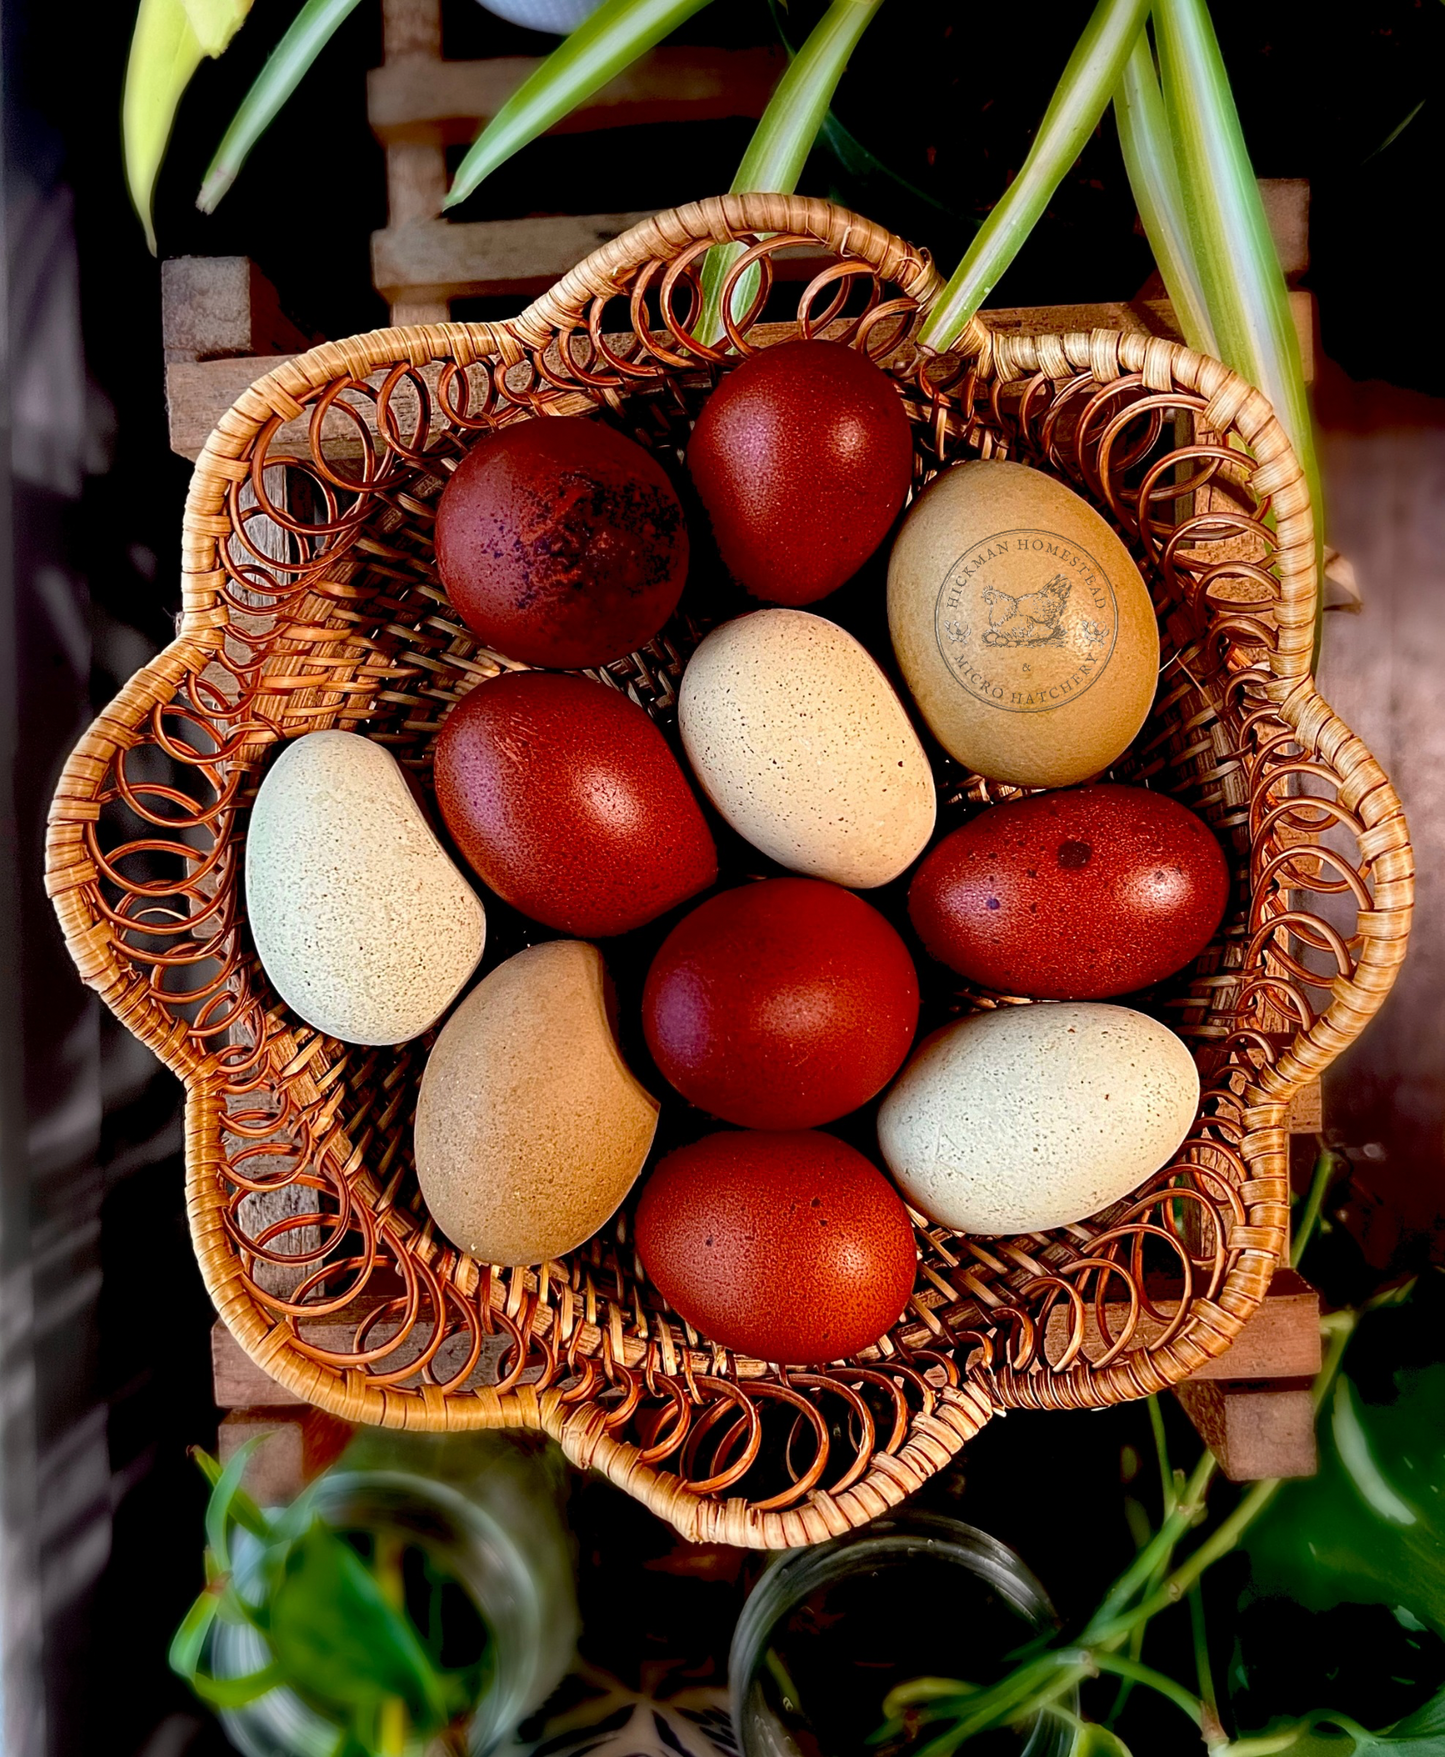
561, 543
1077, 895
803, 457
787, 1247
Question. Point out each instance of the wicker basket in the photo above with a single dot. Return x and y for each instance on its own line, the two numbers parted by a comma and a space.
310, 600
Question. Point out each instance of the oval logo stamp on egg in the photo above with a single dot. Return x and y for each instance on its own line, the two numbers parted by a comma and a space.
1027, 651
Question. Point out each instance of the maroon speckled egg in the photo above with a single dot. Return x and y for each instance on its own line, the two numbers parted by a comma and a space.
1074, 895
780, 1005
561, 543
802, 456
567, 802
788, 1247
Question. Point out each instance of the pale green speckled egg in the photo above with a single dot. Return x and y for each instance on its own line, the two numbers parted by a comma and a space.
1038, 1116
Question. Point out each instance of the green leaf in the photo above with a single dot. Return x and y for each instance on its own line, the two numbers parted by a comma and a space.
1093, 1740
600, 48
1370, 1527
289, 62
783, 138
189, 1641
1079, 101
171, 39
1238, 264
243, 1509
221, 1508
1154, 178
1425, 1722
236, 1692
340, 1642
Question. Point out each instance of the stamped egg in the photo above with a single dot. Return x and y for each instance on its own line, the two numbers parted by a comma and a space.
530, 1128
800, 742
565, 798
1033, 1117
781, 1004
1074, 895
1021, 624
363, 924
789, 1247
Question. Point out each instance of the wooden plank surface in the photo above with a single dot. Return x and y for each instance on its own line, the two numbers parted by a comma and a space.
212, 306
415, 98
1255, 1431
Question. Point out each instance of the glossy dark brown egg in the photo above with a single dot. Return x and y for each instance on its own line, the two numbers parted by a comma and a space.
802, 456
781, 1005
566, 800
1072, 896
788, 1247
561, 543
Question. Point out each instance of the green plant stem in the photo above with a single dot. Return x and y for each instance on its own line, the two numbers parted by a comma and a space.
782, 140
1203, 1670
1079, 101
1327, 1164
289, 62
1143, 1674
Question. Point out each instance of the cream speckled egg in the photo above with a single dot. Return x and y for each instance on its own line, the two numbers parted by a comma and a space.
1037, 1116
364, 926
530, 1128
800, 742
1021, 624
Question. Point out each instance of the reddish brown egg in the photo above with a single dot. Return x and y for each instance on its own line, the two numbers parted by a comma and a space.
781, 1005
802, 456
567, 802
561, 543
787, 1247
1072, 896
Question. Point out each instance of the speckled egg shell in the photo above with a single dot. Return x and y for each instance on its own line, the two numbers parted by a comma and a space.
561, 542
566, 800
801, 744
363, 924
788, 1247
1021, 624
1072, 896
1033, 1117
530, 1128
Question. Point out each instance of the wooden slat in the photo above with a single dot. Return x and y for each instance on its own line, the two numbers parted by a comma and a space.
212, 306
415, 98
296, 1446
1281, 1340
1255, 1431
446, 259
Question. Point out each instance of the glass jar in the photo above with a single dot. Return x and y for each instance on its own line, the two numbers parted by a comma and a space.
486, 1510
829, 1631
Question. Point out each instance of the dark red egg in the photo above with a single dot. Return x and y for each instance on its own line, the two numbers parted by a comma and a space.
561, 543
567, 802
787, 1247
802, 456
780, 1005
1073, 895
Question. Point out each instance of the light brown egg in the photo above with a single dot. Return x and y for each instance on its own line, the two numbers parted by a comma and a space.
1022, 626
800, 742
530, 1128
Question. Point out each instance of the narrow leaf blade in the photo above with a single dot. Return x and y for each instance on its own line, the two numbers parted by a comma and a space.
288, 63
784, 137
1148, 151
1235, 252
1079, 101
600, 48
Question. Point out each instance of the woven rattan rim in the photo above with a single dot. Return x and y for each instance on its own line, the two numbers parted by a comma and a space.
955, 1374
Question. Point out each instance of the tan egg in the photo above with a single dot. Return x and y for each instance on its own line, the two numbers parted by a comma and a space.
530, 1128
799, 741
1037, 1116
363, 924
1021, 624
